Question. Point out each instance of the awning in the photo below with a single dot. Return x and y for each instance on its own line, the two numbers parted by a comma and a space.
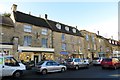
78, 53
6, 46
34, 49
64, 52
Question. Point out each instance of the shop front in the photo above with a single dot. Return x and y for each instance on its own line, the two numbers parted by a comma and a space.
7, 49
78, 55
35, 54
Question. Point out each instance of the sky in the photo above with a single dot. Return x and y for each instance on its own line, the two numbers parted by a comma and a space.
91, 15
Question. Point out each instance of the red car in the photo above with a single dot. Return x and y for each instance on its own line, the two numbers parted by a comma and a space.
110, 63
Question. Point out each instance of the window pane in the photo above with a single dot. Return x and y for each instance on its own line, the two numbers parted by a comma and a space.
27, 28
63, 46
44, 42
27, 40
44, 31
63, 37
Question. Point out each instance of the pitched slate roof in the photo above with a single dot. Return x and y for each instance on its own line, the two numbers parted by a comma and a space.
63, 30
7, 21
26, 18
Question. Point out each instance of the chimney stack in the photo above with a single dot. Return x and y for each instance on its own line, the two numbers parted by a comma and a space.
29, 13
14, 7
76, 27
98, 32
46, 16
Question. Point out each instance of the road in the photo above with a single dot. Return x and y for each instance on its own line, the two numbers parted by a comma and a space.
94, 72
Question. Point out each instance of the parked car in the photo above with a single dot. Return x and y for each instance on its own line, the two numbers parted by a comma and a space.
10, 66
76, 63
87, 61
29, 65
97, 60
49, 66
110, 63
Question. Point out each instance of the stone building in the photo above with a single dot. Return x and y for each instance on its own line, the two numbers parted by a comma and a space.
90, 42
38, 38
32, 37
6, 35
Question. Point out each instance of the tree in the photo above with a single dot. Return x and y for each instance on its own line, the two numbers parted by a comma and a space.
6, 14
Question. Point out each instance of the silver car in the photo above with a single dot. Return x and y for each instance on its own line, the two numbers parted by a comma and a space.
49, 66
76, 63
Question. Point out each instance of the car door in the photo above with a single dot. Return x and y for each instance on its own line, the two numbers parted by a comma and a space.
49, 66
56, 66
83, 64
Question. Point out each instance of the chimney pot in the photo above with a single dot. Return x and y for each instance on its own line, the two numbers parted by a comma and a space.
45, 16
76, 27
29, 13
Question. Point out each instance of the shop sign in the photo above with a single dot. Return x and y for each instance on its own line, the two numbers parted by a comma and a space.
1, 61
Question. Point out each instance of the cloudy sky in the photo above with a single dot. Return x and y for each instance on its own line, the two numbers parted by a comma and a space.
92, 15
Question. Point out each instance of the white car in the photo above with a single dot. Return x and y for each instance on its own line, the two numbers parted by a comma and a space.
49, 66
10, 66
97, 60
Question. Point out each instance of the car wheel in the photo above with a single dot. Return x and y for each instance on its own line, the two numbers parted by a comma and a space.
87, 66
44, 71
103, 67
63, 69
17, 74
76, 67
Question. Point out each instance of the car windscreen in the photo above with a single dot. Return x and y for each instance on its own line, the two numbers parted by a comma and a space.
69, 60
40, 63
107, 60
95, 58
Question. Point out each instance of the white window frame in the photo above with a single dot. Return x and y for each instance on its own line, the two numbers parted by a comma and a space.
27, 28
58, 26
66, 28
64, 46
74, 30
44, 31
27, 41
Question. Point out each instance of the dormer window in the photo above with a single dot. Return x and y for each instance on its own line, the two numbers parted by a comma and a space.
66, 28
112, 42
116, 43
74, 30
109, 41
58, 26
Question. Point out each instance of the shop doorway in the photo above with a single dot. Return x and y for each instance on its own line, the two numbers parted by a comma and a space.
36, 59
92, 55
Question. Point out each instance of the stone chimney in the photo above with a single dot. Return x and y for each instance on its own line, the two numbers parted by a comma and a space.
29, 13
14, 7
46, 16
76, 27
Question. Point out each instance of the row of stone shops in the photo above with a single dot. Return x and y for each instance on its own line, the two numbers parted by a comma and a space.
35, 54
26, 54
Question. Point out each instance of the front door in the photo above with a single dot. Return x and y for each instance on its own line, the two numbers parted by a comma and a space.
92, 55
36, 59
